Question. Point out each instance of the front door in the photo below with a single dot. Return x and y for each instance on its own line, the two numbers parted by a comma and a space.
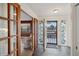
51, 33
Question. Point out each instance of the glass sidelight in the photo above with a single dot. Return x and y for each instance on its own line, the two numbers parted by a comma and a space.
40, 33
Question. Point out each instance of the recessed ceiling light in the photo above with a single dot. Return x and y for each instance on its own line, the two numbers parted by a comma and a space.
55, 10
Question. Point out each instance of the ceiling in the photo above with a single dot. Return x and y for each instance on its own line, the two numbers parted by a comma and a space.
46, 9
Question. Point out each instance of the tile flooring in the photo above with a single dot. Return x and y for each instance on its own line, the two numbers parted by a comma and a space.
62, 51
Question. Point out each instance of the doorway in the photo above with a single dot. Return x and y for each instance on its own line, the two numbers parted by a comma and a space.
51, 34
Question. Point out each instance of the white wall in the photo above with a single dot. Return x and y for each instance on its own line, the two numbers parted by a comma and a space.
68, 27
28, 10
25, 16
73, 17
75, 29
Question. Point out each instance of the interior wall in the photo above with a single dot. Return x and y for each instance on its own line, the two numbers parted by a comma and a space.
75, 30
68, 28
25, 16
28, 10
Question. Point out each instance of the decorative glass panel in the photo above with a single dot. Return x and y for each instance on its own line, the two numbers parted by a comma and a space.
40, 33
4, 47
13, 28
3, 28
3, 9
63, 30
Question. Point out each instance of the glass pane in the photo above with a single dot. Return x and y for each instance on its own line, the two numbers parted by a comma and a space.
13, 28
25, 28
63, 32
3, 28
13, 43
51, 26
12, 12
3, 9
4, 47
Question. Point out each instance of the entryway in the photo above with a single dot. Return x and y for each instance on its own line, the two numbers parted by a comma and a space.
51, 34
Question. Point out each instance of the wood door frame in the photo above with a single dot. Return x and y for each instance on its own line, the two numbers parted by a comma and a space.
44, 34
17, 8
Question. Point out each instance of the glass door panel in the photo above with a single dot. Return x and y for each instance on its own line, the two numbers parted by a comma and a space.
13, 43
12, 12
4, 47
13, 28
3, 10
3, 28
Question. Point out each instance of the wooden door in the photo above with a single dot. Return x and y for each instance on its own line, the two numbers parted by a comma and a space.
13, 29
9, 29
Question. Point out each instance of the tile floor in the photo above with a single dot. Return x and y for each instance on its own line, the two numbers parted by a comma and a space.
62, 51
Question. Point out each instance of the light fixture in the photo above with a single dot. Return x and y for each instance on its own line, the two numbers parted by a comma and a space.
55, 10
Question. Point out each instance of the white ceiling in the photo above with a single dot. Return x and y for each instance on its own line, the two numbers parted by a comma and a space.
46, 9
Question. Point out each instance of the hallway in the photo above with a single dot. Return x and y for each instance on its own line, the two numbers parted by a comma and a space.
29, 29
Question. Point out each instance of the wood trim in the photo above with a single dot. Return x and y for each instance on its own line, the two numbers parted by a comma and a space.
33, 34
57, 32
17, 28
26, 21
9, 43
4, 18
44, 35
12, 52
4, 38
